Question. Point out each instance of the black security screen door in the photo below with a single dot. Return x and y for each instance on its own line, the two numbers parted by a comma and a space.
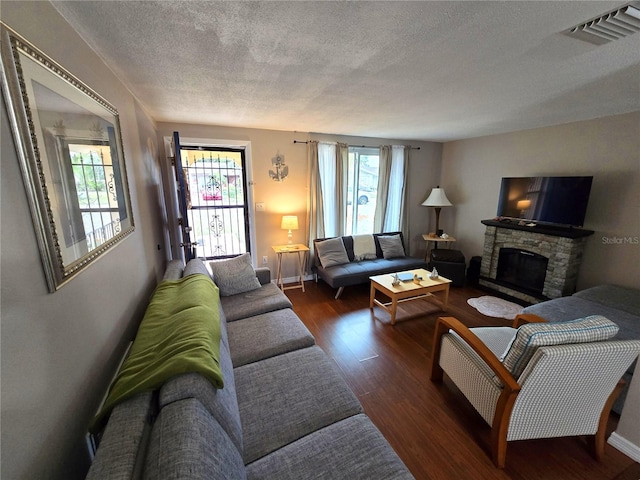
216, 200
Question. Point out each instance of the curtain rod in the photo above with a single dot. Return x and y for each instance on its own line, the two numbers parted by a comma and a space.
361, 146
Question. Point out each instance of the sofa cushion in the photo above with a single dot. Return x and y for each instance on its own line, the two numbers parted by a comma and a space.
222, 404
355, 273
332, 252
286, 397
570, 308
621, 298
123, 443
352, 448
195, 266
391, 246
234, 275
267, 298
186, 442
266, 335
174, 270
530, 336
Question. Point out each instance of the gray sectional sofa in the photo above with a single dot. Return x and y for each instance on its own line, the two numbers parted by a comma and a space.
284, 412
619, 304
344, 270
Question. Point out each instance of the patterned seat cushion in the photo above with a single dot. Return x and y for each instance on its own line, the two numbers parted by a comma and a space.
529, 337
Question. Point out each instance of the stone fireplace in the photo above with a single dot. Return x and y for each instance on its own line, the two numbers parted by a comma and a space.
531, 263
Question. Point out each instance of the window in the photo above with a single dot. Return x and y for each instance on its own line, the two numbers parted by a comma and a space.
357, 190
362, 190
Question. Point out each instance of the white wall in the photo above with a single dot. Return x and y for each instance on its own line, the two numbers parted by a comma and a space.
290, 197
607, 148
58, 351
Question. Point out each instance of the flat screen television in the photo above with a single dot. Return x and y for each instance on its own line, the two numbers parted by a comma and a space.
549, 200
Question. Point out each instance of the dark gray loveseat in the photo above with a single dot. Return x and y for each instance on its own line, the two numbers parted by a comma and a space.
357, 271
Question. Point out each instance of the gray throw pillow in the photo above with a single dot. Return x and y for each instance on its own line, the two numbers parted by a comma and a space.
391, 246
332, 252
235, 275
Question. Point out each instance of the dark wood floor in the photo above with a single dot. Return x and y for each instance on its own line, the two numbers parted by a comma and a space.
436, 432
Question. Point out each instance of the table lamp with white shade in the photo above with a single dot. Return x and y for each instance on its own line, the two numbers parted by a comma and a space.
289, 222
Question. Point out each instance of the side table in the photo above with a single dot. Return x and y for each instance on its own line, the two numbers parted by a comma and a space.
436, 241
301, 250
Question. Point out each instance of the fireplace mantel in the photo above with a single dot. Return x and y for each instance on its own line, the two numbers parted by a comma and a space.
562, 246
566, 232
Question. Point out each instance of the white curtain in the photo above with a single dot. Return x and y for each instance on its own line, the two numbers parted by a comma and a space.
342, 173
384, 172
329, 164
392, 173
393, 219
327, 213
329, 182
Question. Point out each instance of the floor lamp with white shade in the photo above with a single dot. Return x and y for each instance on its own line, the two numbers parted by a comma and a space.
437, 199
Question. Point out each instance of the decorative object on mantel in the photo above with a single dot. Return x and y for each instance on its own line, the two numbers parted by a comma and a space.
495, 307
281, 169
289, 222
60, 126
437, 199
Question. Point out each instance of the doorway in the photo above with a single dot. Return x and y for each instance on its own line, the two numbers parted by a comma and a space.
213, 214
216, 191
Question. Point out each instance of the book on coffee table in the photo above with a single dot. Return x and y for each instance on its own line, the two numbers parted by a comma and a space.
405, 276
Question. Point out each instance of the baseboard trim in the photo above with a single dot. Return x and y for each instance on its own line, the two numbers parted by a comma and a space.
631, 450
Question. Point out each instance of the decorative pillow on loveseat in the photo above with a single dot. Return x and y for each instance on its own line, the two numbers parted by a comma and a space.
529, 337
235, 275
391, 246
332, 252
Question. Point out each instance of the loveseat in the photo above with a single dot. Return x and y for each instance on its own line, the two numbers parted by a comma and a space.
283, 412
352, 259
619, 304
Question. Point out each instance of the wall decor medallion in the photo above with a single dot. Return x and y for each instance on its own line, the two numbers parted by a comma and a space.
69, 146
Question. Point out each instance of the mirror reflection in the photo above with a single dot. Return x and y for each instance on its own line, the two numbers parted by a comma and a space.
71, 157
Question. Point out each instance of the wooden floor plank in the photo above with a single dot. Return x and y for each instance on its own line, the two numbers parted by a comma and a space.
432, 427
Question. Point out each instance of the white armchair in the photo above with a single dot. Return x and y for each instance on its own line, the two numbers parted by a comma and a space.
537, 379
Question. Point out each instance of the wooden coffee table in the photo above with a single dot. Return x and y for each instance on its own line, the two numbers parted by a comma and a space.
406, 291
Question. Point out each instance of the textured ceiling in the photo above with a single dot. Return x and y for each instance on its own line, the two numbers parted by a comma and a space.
433, 71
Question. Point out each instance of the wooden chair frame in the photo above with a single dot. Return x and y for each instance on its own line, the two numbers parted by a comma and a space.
511, 388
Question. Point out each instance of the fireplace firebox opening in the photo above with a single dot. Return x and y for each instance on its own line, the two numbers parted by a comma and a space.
522, 270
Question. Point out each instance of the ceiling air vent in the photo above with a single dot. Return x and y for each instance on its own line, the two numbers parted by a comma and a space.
612, 26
